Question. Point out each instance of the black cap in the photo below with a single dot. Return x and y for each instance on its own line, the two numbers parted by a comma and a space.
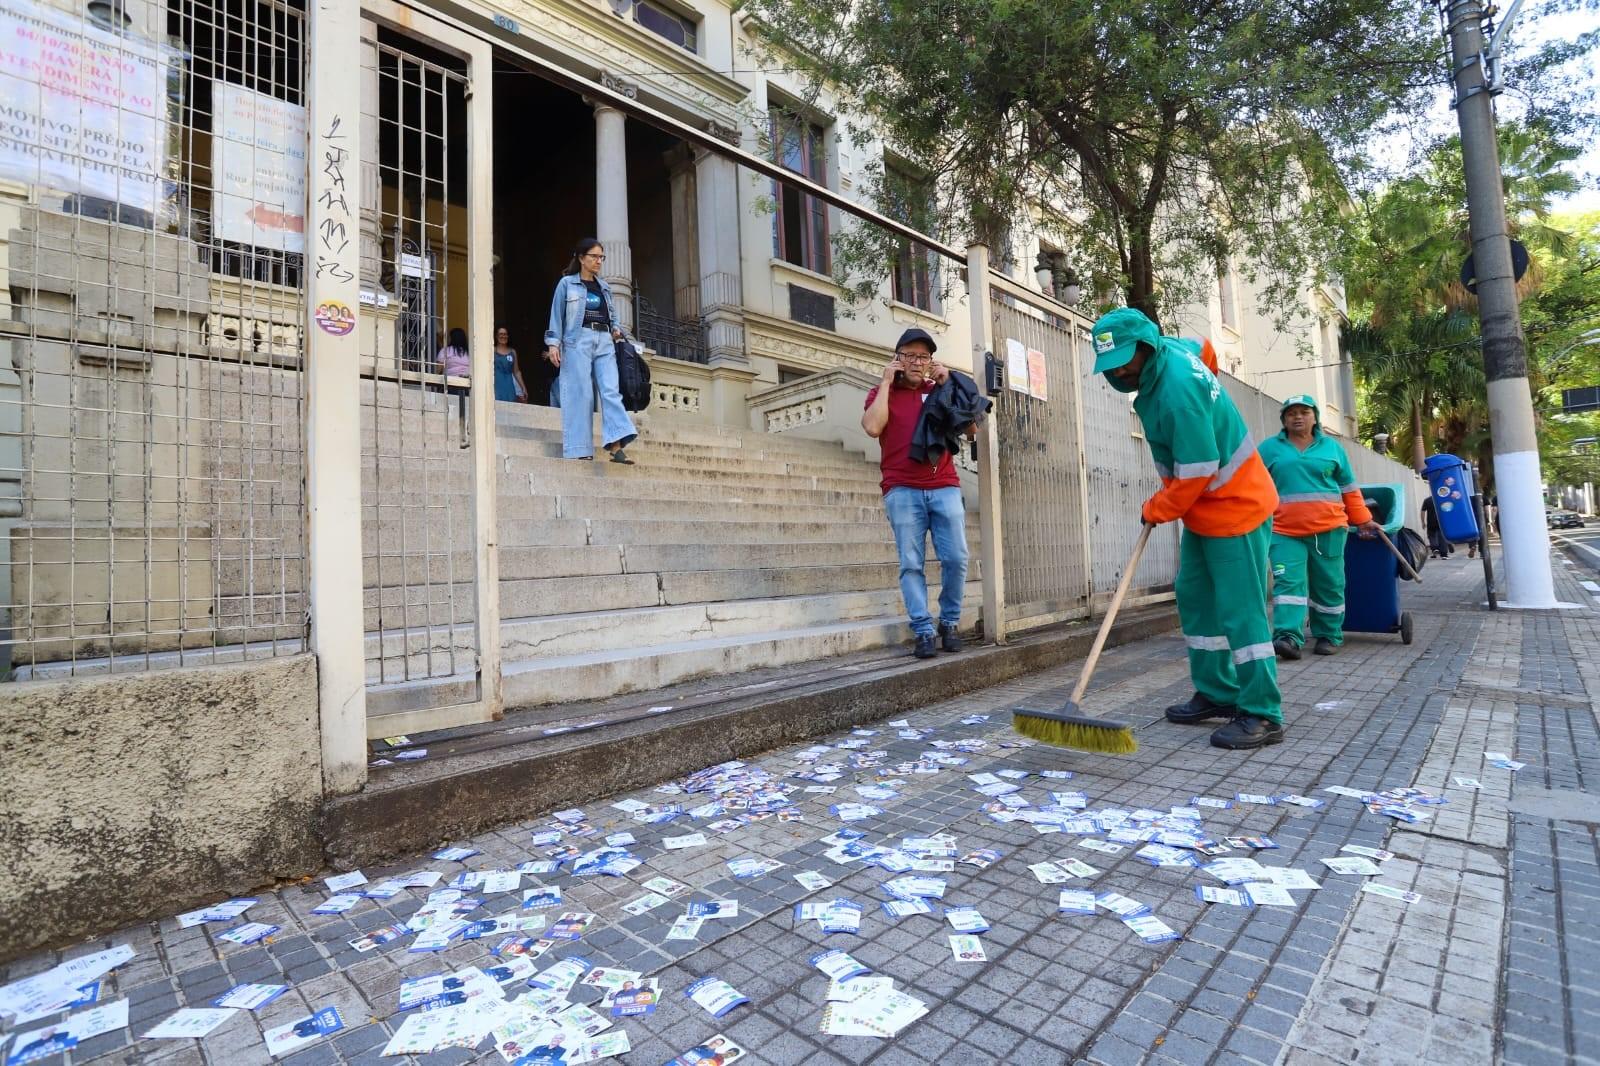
916, 334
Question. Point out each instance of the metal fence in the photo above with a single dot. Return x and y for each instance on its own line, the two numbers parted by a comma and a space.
1074, 467
150, 447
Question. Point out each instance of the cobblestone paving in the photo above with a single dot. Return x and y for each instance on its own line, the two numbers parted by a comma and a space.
1505, 936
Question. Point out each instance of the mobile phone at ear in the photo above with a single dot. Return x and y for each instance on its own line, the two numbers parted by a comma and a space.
899, 377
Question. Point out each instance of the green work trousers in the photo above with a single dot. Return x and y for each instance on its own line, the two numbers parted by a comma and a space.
1222, 604
1308, 574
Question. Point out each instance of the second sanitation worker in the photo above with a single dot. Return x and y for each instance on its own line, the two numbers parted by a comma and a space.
1317, 501
1213, 480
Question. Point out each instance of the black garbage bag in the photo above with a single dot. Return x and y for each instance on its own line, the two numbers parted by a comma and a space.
1413, 547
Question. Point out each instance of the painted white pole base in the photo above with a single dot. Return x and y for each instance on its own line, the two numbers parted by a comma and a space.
1524, 537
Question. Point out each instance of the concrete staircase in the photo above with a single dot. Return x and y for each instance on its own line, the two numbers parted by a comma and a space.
721, 550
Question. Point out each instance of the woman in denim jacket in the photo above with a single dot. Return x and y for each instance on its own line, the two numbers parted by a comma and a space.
580, 342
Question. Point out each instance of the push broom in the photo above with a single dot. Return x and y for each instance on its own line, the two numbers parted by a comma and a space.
1068, 726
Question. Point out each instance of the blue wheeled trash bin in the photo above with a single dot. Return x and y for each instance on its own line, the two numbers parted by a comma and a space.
1372, 575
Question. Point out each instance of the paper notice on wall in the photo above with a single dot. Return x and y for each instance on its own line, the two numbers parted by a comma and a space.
1038, 375
1016, 364
258, 169
81, 109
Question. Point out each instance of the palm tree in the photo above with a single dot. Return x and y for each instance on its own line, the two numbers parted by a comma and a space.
1409, 369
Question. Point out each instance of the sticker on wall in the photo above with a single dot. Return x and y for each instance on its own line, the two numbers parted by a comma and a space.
335, 318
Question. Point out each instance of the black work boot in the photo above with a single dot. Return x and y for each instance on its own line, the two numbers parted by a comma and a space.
1286, 648
1247, 731
948, 640
924, 648
1326, 647
1197, 710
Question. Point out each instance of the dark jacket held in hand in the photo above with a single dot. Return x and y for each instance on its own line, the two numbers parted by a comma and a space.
946, 414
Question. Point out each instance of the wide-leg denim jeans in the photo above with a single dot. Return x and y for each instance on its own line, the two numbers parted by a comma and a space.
589, 364
913, 514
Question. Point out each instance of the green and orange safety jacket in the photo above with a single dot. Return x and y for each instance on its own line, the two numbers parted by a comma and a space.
1211, 476
1317, 490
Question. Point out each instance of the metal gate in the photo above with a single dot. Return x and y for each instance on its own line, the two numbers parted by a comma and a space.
1044, 501
152, 504
427, 436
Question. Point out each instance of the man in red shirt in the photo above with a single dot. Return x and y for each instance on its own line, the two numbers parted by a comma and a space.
919, 497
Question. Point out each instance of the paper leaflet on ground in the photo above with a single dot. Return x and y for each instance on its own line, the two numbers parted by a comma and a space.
285, 1039
879, 1010
719, 1050
68, 1033
55, 989
189, 1023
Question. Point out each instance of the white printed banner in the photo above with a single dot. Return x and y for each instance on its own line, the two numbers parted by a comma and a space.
258, 169
81, 109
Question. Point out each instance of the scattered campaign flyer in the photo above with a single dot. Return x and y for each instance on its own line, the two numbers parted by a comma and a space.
916, 887
514, 968
1302, 801
905, 908
1211, 894
609, 978
647, 902
1078, 868
1075, 901
1468, 782
1375, 854
1390, 892
715, 995
1103, 846
748, 867
967, 948
308, 1030
1122, 906
455, 854
840, 916
189, 1023
812, 881
248, 933
562, 976
1256, 843
838, 965
68, 1033
535, 898
378, 937
634, 999
714, 908
1253, 797
249, 997
602, 1046
1235, 871
1265, 894
1291, 878
340, 882
499, 881
1150, 929
571, 925
666, 886
1352, 864
717, 1051
690, 840
521, 947
620, 840
428, 1031
568, 816
685, 928
966, 920
1049, 873
337, 904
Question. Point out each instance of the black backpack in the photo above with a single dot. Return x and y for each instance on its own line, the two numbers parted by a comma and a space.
633, 376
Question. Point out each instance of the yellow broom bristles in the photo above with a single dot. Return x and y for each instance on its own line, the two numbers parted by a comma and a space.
1110, 738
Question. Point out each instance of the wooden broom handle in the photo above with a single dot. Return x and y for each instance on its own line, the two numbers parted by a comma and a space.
1412, 574
1111, 614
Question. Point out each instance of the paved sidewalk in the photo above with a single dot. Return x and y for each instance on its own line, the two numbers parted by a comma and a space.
1498, 960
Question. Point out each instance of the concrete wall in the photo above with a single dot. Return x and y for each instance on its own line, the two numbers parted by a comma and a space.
141, 794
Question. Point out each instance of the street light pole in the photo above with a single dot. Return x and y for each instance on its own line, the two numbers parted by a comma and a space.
1524, 539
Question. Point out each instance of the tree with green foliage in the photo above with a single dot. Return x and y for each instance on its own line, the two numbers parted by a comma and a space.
1168, 133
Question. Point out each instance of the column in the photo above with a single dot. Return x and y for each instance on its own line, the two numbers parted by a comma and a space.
371, 189
611, 205
721, 290
685, 234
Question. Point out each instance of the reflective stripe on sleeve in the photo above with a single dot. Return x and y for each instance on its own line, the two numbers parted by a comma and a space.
1188, 470
1253, 651
1349, 488
1164, 470
1240, 456
1310, 497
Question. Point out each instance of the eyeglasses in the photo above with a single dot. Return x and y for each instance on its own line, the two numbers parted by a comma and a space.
913, 357
594, 255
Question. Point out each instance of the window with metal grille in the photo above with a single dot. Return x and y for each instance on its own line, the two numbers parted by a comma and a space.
665, 22
800, 232
243, 91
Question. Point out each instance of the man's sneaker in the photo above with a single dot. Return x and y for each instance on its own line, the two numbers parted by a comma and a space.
1326, 647
924, 648
948, 640
1247, 731
1198, 709
1286, 648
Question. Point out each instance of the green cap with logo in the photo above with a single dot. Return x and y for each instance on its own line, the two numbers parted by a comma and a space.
1116, 337
1298, 401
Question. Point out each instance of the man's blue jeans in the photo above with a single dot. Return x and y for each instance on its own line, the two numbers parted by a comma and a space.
913, 514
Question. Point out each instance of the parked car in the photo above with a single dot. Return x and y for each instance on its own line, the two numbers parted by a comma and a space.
1563, 519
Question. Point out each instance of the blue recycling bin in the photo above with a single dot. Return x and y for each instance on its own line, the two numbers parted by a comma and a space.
1372, 574
1450, 485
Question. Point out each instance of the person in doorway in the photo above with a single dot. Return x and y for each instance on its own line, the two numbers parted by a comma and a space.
508, 386
455, 361
1318, 501
919, 498
1214, 482
580, 343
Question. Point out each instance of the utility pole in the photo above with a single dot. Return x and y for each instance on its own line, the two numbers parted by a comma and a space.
1518, 485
